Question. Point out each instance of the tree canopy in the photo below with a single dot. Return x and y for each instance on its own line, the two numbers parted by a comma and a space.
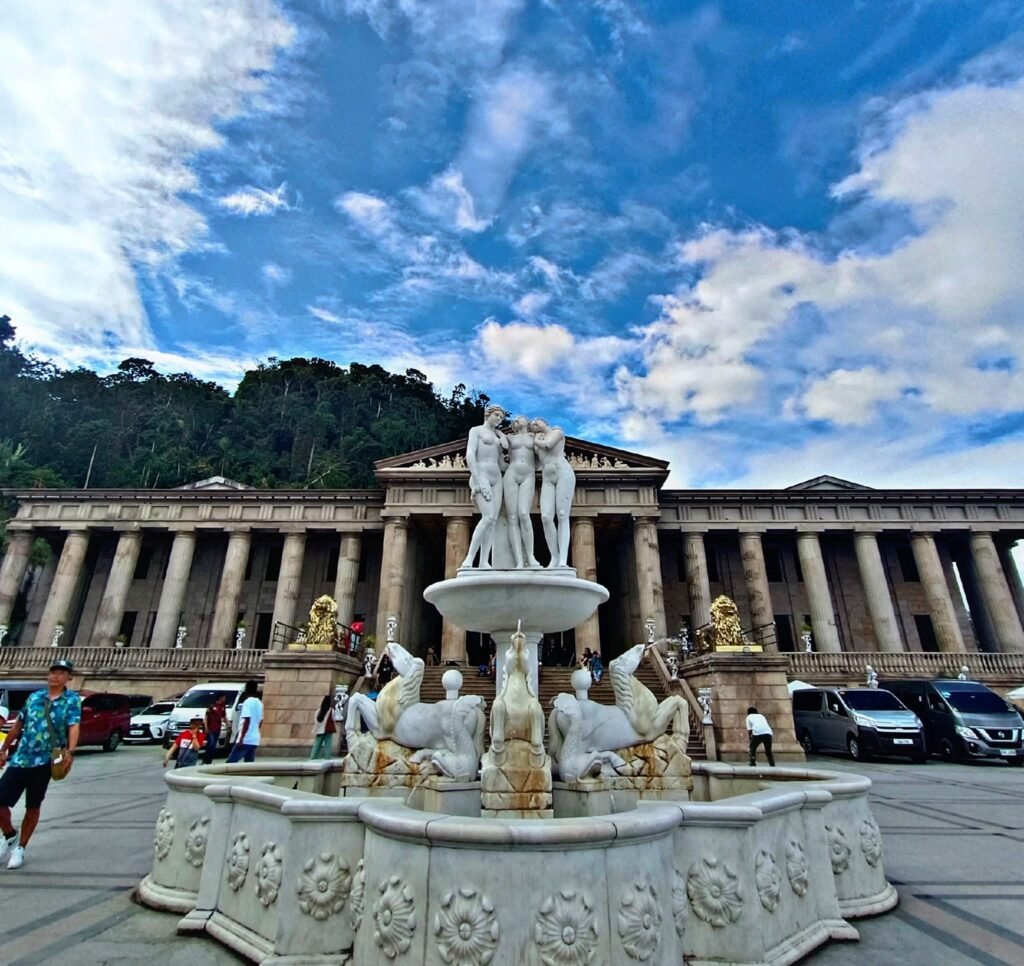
301, 423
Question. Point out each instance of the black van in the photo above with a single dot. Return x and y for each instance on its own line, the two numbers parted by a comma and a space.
964, 719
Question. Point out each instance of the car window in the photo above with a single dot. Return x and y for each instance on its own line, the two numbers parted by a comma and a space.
807, 700
873, 700
205, 697
975, 702
835, 706
92, 702
936, 703
162, 707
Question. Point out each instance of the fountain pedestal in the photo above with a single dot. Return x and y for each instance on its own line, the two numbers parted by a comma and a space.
518, 786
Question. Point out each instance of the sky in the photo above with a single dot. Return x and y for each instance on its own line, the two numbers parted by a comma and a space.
763, 241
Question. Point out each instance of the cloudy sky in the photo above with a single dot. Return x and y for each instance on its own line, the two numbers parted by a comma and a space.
761, 240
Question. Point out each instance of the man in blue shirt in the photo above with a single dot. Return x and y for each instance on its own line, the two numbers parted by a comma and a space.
28, 772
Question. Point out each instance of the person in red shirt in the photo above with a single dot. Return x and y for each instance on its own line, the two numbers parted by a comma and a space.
187, 745
215, 715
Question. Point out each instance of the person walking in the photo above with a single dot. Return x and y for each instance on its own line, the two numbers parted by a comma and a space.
186, 747
215, 715
323, 743
49, 721
760, 733
251, 713
596, 666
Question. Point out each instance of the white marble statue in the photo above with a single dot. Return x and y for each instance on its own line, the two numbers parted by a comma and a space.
636, 718
558, 484
484, 457
519, 484
575, 760
448, 734
516, 712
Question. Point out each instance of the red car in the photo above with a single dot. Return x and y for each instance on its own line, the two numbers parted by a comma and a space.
106, 719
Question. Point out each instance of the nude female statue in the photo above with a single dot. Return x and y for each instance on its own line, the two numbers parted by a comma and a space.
484, 459
558, 484
519, 484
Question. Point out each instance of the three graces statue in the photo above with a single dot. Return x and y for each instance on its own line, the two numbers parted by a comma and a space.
502, 481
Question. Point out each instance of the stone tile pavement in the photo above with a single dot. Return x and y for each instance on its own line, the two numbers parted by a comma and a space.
953, 835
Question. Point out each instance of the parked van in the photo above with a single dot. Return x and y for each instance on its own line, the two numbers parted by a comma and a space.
859, 721
196, 700
964, 719
17, 693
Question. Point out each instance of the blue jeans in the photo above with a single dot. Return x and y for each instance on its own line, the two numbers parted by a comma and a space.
242, 753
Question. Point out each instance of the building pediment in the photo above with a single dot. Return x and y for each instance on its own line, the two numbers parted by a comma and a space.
215, 483
827, 482
585, 457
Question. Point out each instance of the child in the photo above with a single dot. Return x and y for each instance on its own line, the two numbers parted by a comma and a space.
187, 745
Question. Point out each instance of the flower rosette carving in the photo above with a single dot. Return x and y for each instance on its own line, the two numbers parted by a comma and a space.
394, 917
238, 861
269, 870
466, 928
195, 841
680, 905
838, 849
357, 898
871, 842
324, 886
714, 892
639, 921
164, 837
797, 867
566, 930
768, 879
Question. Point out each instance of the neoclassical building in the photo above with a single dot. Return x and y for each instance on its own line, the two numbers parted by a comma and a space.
864, 569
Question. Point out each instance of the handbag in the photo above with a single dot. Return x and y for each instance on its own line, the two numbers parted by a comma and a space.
60, 760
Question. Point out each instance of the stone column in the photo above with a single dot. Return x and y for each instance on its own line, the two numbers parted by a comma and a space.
289, 580
1013, 576
456, 546
584, 559
819, 600
936, 592
229, 593
347, 581
119, 582
876, 591
392, 576
697, 580
648, 572
996, 594
172, 594
64, 587
12, 571
756, 578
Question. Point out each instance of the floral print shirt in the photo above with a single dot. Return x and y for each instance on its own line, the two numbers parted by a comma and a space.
35, 743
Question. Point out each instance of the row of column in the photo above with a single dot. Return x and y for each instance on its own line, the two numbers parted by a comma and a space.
998, 579
71, 565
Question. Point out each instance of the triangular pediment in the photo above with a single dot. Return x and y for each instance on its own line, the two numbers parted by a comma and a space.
215, 483
826, 482
584, 456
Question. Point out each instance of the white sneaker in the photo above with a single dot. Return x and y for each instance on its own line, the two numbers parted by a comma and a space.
17, 857
6, 845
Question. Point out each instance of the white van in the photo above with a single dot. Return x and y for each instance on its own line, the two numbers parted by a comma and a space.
196, 700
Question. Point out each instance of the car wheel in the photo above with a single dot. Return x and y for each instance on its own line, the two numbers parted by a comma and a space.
947, 751
921, 759
854, 748
807, 742
113, 741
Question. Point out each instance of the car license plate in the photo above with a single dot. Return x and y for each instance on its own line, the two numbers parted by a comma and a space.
902, 741
1007, 752
136, 732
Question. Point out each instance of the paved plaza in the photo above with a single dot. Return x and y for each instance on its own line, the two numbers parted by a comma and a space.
953, 835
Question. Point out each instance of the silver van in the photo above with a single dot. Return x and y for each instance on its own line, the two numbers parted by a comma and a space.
859, 721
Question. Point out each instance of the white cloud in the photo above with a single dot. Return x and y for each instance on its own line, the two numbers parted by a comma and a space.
274, 274
849, 397
531, 349
324, 315
532, 303
256, 201
102, 107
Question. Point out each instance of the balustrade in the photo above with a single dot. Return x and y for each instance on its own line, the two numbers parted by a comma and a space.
910, 663
93, 659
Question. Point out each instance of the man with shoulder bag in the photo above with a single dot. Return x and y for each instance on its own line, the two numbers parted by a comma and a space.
46, 733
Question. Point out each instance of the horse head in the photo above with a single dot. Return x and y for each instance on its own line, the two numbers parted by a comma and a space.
403, 661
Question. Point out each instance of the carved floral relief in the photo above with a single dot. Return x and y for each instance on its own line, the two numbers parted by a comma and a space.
268, 874
838, 849
324, 885
394, 917
164, 837
768, 879
238, 861
566, 930
714, 892
466, 928
796, 867
195, 841
680, 907
357, 898
639, 921
871, 841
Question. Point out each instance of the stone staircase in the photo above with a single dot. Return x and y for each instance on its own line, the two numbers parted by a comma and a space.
554, 680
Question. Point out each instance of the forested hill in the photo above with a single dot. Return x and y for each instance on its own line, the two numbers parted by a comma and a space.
291, 423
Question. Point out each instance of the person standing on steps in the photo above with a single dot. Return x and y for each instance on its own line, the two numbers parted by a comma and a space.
251, 713
760, 733
48, 721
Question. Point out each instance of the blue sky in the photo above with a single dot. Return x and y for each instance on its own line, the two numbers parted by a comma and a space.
763, 241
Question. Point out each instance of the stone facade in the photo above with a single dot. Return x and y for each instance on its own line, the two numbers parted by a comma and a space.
863, 569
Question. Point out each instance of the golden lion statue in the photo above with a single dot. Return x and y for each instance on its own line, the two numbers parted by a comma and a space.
322, 634
725, 629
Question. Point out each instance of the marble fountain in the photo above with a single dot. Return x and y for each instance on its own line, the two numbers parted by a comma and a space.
599, 842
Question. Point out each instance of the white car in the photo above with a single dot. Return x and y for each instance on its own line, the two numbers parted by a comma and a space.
150, 723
